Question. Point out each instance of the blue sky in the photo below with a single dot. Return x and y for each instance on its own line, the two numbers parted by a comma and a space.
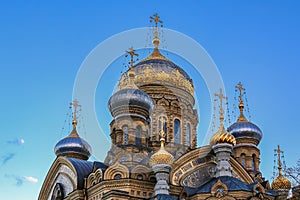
42, 46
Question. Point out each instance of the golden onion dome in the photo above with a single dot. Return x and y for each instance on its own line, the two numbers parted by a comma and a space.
161, 156
222, 136
281, 182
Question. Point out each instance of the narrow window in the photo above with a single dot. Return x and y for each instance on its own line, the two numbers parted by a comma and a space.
253, 161
177, 131
188, 134
125, 134
243, 159
138, 135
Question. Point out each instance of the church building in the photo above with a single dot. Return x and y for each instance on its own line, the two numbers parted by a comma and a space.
154, 152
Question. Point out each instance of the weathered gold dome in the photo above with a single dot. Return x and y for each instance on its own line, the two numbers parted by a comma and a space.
161, 156
222, 136
281, 182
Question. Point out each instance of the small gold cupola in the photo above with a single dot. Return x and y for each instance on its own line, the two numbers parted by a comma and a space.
161, 156
222, 136
281, 182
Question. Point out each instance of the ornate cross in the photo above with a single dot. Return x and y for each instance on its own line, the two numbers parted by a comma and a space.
241, 89
156, 20
75, 105
279, 151
221, 97
132, 54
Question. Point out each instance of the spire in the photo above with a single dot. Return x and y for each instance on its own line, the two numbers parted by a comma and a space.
156, 38
242, 117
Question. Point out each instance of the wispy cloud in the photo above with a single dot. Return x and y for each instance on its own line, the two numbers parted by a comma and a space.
6, 158
19, 180
16, 141
30, 179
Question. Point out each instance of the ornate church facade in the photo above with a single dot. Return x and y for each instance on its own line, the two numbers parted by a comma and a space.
154, 152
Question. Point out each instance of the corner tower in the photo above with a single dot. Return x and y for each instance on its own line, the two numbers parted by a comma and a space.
247, 136
130, 108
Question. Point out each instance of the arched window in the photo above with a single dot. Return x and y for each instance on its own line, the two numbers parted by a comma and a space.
162, 124
188, 134
125, 134
139, 177
117, 176
138, 135
177, 131
243, 159
253, 162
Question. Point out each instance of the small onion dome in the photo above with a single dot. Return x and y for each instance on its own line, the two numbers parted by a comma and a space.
161, 156
245, 129
73, 146
281, 182
130, 98
222, 136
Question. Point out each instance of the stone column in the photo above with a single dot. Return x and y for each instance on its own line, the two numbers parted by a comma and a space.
162, 177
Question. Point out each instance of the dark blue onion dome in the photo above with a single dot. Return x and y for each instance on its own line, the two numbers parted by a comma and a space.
130, 101
73, 146
245, 131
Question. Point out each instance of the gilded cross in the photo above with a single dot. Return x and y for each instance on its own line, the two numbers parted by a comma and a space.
75, 105
155, 19
241, 89
132, 54
221, 97
279, 151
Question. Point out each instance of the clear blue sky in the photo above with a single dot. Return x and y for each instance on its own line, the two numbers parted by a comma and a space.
42, 46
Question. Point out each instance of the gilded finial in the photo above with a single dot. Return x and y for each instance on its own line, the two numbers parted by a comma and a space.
242, 117
156, 31
221, 111
279, 151
75, 105
131, 74
157, 21
132, 54
162, 138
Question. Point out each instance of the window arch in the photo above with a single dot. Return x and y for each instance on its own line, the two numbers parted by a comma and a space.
138, 135
162, 123
125, 134
177, 131
243, 159
188, 134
